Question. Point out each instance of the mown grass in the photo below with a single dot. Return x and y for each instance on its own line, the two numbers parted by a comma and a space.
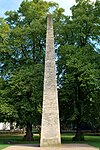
93, 140
11, 139
2, 146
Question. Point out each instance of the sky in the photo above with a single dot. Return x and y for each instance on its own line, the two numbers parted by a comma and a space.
7, 5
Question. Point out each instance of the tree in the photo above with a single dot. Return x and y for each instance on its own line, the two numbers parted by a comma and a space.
78, 65
79, 84
26, 40
23, 65
7, 111
4, 46
26, 88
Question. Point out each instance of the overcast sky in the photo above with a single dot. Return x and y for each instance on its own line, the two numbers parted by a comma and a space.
14, 5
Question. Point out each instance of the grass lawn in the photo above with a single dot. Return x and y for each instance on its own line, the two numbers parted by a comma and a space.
2, 146
92, 140
15, 139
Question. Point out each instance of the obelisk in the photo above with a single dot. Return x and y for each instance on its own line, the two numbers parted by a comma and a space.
50, 127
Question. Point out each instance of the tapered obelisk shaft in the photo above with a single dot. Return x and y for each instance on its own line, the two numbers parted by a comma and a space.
50, 128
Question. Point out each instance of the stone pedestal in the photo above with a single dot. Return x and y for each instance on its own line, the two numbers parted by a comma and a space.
50, 127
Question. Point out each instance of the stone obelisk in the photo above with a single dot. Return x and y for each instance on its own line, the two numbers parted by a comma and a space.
50, 127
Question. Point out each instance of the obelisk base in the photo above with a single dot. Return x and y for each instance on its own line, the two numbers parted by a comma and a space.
50, 143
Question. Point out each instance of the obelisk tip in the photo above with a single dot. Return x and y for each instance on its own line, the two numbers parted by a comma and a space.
49, 15
49, 20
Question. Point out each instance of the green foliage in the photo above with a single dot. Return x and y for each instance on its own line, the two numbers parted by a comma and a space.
78, 65
4, 44
6, 110
22, 59
26, 88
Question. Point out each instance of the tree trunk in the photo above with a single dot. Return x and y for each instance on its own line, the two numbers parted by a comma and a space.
29, 134
79, 134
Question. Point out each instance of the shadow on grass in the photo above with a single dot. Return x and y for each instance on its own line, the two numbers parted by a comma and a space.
92, 140
7, 140
17, 139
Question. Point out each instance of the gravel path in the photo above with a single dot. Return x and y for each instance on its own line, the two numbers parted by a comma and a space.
63, 147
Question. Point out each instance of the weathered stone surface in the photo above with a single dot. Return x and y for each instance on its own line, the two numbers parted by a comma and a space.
50, 129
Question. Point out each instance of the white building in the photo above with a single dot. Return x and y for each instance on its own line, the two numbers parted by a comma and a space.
4, 126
